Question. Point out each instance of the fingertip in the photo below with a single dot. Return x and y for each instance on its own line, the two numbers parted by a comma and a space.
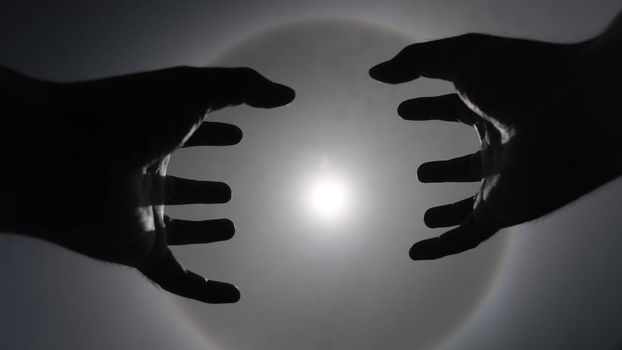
217, 192
421, 173
233, 86
427, 249
215, 134
404, 110
380, 72
429, 219
414, 109
390, 73
216, 292
373, 71
230, 193
274, 95
227, 193
289, 95
226, 229
427, 172
236, 135
236, 295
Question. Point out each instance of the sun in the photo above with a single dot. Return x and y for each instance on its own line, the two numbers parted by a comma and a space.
328, 197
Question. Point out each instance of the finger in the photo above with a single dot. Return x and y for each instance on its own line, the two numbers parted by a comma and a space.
467, 236
446, 107
185, 191
171, 276
215, 134
191, 232
450, 214
216, 88
462, 169
442, 59
230, 85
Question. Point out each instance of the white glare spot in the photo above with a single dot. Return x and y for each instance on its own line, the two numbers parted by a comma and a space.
327, 197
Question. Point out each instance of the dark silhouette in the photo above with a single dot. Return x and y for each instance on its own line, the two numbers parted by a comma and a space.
86, 163
549, 119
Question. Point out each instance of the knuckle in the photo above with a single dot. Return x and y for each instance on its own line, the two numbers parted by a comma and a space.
476, 41
185, 71
247, 73
472, 37
409, 50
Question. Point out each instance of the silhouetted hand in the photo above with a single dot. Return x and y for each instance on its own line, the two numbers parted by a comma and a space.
87, 164
549, 120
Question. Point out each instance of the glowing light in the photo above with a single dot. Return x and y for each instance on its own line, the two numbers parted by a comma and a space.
328, 197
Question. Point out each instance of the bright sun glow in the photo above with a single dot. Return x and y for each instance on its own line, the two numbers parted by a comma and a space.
328, 197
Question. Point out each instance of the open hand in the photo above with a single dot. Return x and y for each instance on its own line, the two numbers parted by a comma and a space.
548, 120
91, 170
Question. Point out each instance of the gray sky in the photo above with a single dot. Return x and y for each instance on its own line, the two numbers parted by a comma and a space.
309, 284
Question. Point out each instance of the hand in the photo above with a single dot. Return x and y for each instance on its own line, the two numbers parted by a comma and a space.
548, 119
89, 169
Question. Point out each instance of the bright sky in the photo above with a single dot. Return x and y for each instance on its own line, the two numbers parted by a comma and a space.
325, 197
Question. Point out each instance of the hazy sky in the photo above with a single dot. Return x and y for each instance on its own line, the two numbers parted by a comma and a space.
307, 282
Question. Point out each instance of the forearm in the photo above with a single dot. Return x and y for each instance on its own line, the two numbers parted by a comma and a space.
18, 90
22, 102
